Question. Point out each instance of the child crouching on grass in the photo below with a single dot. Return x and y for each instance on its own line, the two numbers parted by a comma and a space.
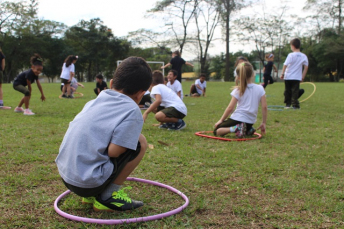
103, 144
170, 109
246, 98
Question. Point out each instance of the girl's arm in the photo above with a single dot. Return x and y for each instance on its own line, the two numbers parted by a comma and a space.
228, 111
29, 85
275, 68
3, 64
265, 114
40, 89
71, 75
152, 107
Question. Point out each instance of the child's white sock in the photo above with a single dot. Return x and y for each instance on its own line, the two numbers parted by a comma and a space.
107, 193
232, 129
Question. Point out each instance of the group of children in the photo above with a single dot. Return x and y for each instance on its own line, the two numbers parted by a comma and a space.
103, 144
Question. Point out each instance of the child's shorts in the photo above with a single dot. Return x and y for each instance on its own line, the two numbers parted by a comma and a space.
194, 91
172, 112
118, 164
231, 122
65, 81
22, 89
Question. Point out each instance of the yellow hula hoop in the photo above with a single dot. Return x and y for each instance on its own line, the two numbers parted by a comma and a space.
75, 97
315, 88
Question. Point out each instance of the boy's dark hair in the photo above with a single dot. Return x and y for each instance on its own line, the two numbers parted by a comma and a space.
132, 75
99, 76
238, 59
296, 43
158, 78
203, 75
69, 60
175, 73
176, 53
36, 59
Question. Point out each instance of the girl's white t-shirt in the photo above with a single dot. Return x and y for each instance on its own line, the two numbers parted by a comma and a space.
248, 104
176, 87
169, 98
65, 74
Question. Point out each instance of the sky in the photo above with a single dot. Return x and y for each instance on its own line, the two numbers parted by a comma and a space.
124, 16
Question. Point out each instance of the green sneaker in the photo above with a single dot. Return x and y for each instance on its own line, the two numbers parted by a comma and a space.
118, 202
88, 200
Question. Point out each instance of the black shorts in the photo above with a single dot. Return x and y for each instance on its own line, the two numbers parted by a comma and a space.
231, 122
194, 90
65, 81
118, 164
172, 112
145, 98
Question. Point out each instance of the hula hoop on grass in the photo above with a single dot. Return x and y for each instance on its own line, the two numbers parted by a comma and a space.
130, 220
5, 108
315, 88
204, 134
75, 97
275, 108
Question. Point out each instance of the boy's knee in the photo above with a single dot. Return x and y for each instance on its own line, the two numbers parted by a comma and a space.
143, 143
160, 116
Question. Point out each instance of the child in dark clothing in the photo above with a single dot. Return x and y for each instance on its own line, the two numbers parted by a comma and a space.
269, 57
100, 85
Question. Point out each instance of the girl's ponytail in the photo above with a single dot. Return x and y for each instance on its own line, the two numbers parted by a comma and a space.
245, 72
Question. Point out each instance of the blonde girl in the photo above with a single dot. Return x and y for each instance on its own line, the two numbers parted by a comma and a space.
246, 98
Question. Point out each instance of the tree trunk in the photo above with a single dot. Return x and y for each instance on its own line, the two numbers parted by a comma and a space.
227, 73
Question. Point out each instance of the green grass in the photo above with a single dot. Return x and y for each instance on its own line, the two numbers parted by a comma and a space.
291, 178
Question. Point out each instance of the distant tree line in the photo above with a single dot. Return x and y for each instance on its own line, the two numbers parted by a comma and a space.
189, 25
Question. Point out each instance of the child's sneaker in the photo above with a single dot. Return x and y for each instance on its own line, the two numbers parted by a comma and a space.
288, 106
18, 110
251, 131
64, 96
70, 97
178, 125
240, 130
28, 112
88, 200
164, 126
118, 202
147, 105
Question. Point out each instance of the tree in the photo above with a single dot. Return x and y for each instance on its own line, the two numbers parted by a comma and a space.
207, 17
178, 14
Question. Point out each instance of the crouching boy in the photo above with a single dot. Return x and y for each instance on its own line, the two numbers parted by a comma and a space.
170, 108
103, 144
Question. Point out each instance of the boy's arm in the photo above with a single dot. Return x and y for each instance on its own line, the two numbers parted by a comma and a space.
167, 65
283, 70
305, 69
179, 93
204, 91
228, 111
81, 85
187, 63
115, 150
265, 114
40, 89
152, 107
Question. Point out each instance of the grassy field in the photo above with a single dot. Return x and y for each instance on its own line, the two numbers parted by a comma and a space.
291, 178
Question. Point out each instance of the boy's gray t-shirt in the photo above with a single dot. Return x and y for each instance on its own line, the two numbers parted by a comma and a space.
112, 117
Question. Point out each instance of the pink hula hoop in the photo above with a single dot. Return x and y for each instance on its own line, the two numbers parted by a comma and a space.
130, 220
203, 134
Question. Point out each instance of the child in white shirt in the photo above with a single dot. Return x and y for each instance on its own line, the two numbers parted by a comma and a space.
199, 87
174, 84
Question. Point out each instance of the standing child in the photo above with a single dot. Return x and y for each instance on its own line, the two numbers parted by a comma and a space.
67, 74
73, 86
246, 99
177, 62
269, 57
27, 78
170, 108
292, 74
174, 84
103, 144
2, 68
100, 85
199, 87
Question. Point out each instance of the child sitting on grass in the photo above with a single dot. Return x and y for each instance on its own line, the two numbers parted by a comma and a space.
170, 109
199, 87
103, 144
174, 84
246, 98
